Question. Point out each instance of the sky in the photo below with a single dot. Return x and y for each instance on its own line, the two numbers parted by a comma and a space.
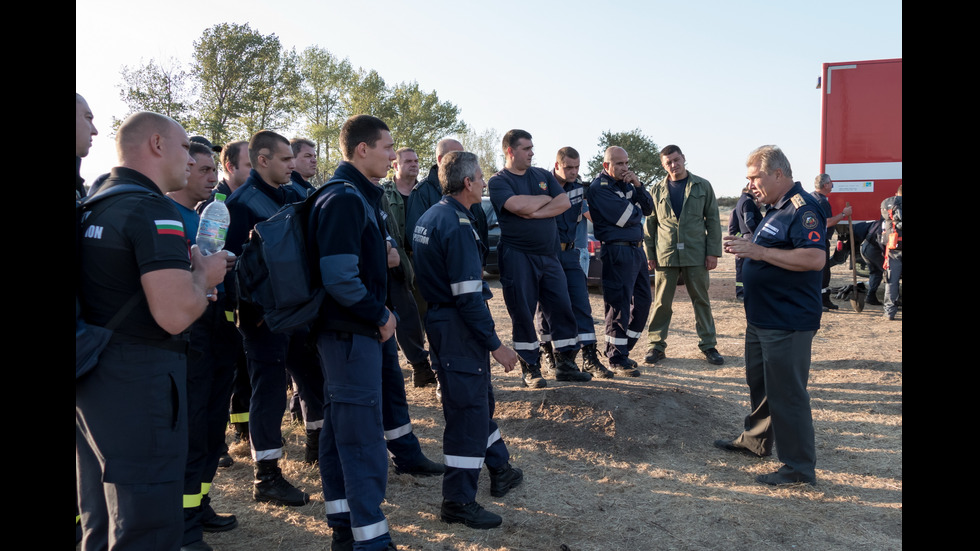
717, 78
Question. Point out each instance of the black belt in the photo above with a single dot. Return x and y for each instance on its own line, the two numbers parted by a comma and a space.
622, 243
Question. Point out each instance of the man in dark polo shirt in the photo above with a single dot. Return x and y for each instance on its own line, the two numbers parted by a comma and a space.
782, 271
526, 200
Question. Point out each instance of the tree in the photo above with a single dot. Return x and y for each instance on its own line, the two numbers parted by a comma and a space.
486, 145
418, 119
271, 99
644, 154
325, 82
233, 65
163, 88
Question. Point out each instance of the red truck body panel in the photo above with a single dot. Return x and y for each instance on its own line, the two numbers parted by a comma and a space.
861, 133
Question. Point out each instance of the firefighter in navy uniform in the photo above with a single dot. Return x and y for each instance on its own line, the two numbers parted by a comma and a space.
618, 202
566, 172
265, 191
449, 264
527, 199
347, 236
130, 410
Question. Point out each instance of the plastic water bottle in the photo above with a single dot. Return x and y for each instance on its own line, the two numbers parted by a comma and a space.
213, 228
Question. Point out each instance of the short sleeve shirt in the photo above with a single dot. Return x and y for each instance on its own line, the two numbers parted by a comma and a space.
776, 298
538, 236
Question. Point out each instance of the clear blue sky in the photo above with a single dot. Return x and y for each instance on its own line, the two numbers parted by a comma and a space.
717, 78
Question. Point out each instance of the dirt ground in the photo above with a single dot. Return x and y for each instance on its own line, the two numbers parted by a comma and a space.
628, 463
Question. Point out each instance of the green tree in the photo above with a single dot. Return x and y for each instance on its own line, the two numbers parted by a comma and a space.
230, 66
486, 145
644, 154
271, 99
418, 119
163, 88
325, 82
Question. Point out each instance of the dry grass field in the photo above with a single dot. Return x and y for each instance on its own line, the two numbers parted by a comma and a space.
628, 464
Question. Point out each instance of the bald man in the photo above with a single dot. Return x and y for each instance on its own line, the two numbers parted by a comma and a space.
130, 417
618, 202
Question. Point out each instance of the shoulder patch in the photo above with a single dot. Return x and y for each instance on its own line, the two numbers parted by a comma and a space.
464, 220
543, 185
604, 182
798, 200
809, 219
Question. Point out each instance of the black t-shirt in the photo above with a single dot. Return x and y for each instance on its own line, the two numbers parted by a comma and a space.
124, 238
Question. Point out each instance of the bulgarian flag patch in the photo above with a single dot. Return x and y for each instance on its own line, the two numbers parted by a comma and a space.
169, 227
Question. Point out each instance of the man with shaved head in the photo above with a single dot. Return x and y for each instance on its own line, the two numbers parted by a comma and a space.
84, 132
138, 275
618, 202
429, 192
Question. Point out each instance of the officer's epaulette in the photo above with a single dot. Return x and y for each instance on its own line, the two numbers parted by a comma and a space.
798, 200
464, 220
604, 182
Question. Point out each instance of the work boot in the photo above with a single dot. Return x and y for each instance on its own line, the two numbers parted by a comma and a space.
272, 487
547, 356
425, 467
591, 363
567, 370
422, 374
471, 514
312, 447
827, 303
342, 539
241, 431
626, 367
531, 375
503, 479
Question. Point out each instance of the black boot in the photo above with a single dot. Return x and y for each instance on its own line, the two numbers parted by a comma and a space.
241, 431
422, 374
547, 356
827, 303
567, 370
531, 375
470, 514
272, 487
591, 363
425, 467
503, 479
312, 447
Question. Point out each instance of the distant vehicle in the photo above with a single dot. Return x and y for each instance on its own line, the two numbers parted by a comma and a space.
861, 133
594, 277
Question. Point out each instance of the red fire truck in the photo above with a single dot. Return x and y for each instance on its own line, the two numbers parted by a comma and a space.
861, 133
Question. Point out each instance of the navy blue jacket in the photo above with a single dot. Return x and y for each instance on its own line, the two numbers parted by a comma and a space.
617, 209
347, 235
449, 267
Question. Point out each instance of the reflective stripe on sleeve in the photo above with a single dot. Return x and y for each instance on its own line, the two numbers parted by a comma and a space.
463, 287
625, 217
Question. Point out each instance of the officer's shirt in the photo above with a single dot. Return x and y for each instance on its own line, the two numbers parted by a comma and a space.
449, 267
538, 236
776, 298
122, 239
617, 209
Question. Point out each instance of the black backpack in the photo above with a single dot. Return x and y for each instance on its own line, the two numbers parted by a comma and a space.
274, 272
90, 340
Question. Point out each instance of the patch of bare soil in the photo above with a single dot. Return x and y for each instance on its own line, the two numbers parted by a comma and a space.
628, 463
